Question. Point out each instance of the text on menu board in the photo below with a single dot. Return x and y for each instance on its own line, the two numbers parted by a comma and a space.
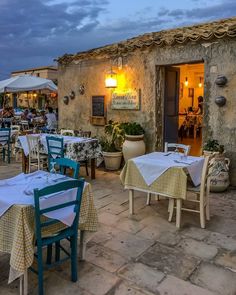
129, 100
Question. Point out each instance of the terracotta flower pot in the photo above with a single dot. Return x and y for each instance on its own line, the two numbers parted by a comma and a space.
112, 160
133, 146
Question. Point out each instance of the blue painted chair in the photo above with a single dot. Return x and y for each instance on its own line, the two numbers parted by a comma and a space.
55, 146
5, 138
64, 163
70, 233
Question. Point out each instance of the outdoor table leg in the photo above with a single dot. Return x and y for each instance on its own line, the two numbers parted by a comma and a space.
149, 196
24, 283
93, 168
178, 212
82, 249
25, 161
131, 201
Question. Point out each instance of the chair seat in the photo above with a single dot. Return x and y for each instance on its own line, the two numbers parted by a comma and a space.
67, 232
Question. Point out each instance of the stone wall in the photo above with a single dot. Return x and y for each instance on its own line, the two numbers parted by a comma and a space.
145, 70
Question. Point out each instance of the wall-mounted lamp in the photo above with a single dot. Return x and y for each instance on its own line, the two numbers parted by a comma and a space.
111, 79
200, 82
186, 82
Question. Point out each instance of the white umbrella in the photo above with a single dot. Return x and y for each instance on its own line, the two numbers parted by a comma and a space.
26, 83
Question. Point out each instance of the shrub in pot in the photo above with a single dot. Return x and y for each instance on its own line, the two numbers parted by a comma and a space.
219, 169
133, 145
111, 145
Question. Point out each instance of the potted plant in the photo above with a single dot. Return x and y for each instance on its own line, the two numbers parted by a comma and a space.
133, 145
219, 169
111, 145
212, 148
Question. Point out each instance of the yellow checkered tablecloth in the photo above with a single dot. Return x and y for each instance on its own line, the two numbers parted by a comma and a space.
172, 183
17, 230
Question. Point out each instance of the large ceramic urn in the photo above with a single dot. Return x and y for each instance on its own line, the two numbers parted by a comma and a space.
133, 146
219, 173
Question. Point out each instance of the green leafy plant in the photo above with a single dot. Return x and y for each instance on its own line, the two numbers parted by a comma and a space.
114, 137
213, 145
132, 128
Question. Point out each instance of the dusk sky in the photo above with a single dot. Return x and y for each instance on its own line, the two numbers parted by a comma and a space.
35, 32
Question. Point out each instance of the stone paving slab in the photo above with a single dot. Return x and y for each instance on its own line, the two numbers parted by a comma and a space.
174, 286
196, 233
128, 245
199, 249
216, 279
105, 258
125, 289
142, 275
227, 260
222, 241
170, 261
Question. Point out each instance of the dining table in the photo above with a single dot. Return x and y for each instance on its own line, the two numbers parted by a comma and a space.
17, 222
78, 149
161, 173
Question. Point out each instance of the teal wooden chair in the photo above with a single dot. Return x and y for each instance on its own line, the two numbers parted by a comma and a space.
70, 233
5, 144
55, 146
63, 164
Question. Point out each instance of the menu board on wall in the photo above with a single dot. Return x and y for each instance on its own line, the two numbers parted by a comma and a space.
98, 106
128, 100
98, 110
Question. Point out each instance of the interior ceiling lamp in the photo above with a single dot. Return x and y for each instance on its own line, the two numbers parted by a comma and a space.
200, 82
186, 82
111, 79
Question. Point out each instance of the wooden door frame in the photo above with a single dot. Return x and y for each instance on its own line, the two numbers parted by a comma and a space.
160, 100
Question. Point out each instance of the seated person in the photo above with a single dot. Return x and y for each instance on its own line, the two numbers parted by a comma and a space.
32, 114
25, 114
51, 119
199, 110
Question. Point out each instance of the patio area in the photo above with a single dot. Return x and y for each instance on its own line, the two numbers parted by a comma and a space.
144, 254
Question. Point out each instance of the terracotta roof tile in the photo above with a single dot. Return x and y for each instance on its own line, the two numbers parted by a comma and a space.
201, 32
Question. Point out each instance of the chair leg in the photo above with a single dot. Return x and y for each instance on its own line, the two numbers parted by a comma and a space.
57, 251
49, 254
171, 208
178, 212
157, 197
74, 258
149, 196
40, 271
202, 215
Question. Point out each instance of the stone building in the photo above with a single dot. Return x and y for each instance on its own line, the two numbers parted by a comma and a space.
166, 81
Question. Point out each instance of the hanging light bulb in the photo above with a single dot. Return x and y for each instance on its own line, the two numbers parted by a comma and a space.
186, 82
111, 79
200, 83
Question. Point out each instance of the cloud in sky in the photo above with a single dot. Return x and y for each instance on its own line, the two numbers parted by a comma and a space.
34, 32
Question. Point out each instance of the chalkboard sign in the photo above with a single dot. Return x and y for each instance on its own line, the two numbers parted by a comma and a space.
98, 106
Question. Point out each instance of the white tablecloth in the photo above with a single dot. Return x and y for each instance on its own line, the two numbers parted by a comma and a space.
19, 190
153, 165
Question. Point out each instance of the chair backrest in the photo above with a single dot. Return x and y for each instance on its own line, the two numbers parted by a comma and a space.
56, 189
15, 128
177, 147
85, 134
24, 124
55, 146
65, 163
5, 135
67, 132
33, 145
204, 178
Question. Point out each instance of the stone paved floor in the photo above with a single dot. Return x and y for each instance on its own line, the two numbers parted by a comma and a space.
145, 254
